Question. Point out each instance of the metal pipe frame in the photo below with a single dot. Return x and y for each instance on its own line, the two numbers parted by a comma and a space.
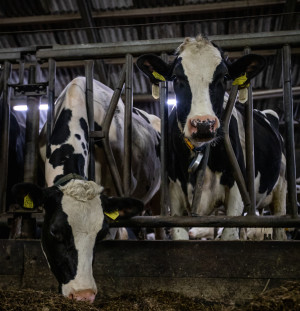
237, 174
260, 40
163, 91
104, 134
32, 132
4, 131
51, 97
128, 126
102, 50
89, 95
209, 221
289, 127
249, 138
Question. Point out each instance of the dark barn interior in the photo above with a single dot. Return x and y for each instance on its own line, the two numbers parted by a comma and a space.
39, 37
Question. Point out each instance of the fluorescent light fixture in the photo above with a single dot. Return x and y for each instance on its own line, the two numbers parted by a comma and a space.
24, 107
172, 102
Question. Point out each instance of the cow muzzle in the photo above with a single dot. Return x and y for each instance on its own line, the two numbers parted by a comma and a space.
83, 295
203, 128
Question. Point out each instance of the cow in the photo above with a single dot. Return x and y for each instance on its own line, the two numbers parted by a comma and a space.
77, 210
200, 74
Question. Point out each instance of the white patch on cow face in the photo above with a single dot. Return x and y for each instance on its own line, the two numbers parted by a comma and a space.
81, 202
200, 60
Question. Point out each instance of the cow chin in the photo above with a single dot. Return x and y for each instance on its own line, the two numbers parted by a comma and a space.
199, 140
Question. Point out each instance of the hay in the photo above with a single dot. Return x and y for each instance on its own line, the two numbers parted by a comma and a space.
283, 298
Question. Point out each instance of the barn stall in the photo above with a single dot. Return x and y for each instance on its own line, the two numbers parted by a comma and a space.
216, 271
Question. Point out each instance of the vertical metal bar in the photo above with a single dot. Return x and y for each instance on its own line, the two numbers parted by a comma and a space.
164, 144
128, 126
21, 71
51, 97
289, 128
32, 132
89, 76
249, 137
4, 131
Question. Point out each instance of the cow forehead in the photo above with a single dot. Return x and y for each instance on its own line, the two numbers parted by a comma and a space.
199, 59
81, 202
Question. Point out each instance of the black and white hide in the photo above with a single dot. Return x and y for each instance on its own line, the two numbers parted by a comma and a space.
199, 74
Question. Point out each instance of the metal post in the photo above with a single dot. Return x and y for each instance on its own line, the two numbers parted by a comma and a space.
249, 137
289, 127
32, 132
51, 97
4, 131
89, 76
128, 126
164, 145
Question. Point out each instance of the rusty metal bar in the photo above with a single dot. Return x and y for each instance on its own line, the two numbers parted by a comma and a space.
32, 132
209, 221
104, 134
128, 126
237, 174
89, 95
289, 127
4, 131
51, 97
163, 91
249, 138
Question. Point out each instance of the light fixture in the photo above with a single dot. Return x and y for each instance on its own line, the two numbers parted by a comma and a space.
24, 107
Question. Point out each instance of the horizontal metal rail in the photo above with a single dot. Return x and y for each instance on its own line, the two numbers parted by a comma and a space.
102, 50
209, 221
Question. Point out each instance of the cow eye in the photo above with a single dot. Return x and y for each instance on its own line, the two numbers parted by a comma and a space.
226, 78
56, 234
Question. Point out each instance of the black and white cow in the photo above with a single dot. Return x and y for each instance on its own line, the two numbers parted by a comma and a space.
199, 74
75, 207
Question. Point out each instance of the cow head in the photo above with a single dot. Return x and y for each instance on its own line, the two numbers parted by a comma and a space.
74, 221
199, 74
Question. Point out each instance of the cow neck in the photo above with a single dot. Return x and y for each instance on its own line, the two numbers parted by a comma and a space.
67, 178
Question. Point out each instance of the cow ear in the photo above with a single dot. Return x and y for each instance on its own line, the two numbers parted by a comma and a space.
28, 195
250, 64
121, 208
154, 67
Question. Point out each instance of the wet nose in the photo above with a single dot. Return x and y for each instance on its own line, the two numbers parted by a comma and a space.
203, 125
84, 295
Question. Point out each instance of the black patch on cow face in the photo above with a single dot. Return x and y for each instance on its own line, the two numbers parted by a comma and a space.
217, 88
183, 93
61, 131
84, 127
77, 136
57, 238
83, 145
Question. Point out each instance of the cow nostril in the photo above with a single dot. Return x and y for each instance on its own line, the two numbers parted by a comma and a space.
71, 296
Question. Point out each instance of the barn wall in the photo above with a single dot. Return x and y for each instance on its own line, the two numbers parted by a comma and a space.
213, 270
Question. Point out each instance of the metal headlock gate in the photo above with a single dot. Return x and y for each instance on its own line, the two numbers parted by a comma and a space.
284, 40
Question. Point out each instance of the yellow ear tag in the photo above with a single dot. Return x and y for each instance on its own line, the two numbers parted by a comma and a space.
241, 81
113, 215
157, 76
155, 91
28, 202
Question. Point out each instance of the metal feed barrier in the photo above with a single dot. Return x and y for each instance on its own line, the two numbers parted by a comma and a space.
284, 40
